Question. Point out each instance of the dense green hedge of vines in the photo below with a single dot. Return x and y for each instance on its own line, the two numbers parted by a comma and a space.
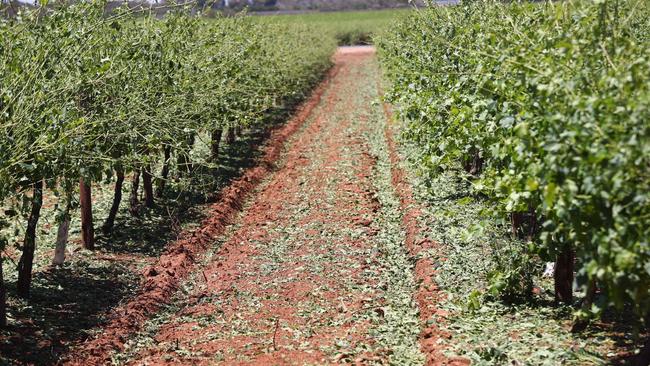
81, 92
547, 105
84, 94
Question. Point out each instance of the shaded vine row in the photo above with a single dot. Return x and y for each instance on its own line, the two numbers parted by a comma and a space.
89, 97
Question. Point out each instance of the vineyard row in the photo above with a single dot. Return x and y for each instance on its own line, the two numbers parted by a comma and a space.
546, 108
88, 97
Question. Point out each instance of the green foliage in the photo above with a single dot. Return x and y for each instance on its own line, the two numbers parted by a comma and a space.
349, 28
82, 93
555, 99
531, 332
512, 278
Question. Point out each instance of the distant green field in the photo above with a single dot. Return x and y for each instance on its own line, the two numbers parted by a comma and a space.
349, 28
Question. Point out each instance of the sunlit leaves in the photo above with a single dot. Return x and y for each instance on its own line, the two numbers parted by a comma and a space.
556, 98
82, 91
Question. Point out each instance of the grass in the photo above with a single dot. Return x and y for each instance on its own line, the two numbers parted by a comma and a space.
349, 28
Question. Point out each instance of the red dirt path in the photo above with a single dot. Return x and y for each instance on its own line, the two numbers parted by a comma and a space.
293, 280
162, 279
297, 280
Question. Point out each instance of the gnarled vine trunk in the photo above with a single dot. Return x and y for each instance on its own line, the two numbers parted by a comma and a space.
86, 206
134, 202
214, 145
62, 235
563, 276
147, 187
473, 163
29, 244
164, 174
524, 225
107, 228
231, 136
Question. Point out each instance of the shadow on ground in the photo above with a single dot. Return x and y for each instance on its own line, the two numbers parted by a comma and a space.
67, 304
149, 233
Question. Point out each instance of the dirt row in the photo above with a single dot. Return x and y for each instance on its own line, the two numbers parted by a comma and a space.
317, 268
161, 279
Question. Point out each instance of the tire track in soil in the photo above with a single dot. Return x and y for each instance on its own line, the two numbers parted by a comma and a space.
306, 276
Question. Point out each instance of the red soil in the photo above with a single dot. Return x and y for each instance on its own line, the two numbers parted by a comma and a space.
427, 294
262, 307
162, 279
297, 280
